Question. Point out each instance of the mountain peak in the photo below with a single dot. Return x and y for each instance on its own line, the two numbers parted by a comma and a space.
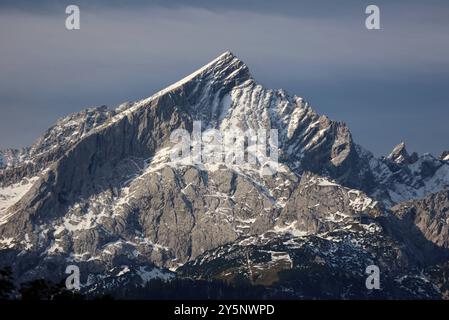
444, 156
399, 155
225, 68
223, 61
226, 54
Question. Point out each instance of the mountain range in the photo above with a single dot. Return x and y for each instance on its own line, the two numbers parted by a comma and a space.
98, 190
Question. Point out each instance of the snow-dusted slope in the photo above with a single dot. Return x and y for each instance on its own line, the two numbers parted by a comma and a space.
11, 194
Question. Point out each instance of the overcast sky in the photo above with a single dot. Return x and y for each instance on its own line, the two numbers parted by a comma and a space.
388, 85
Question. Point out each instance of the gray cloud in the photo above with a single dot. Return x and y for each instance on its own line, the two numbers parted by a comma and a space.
388, 85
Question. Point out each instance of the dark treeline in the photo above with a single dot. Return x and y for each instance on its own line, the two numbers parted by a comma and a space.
185, 289
154, 289
33, 290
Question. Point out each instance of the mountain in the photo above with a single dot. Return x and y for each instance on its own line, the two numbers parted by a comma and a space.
400, 156
99, 190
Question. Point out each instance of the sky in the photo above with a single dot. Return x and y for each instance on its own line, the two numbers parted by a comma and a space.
388, 85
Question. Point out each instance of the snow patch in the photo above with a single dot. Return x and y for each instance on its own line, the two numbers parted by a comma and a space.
290, 229
10, 195
155, 273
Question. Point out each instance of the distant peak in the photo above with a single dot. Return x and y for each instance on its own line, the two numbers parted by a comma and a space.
399, 148
399, 155
444, 156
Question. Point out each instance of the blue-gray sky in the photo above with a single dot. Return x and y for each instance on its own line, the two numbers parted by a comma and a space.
388, 85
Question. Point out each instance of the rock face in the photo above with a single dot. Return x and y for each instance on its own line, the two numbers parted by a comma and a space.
28, 162
99, 189
430, 215
319, 205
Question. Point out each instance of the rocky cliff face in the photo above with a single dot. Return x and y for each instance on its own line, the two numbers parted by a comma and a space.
99, 188
430, 215
319, 205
